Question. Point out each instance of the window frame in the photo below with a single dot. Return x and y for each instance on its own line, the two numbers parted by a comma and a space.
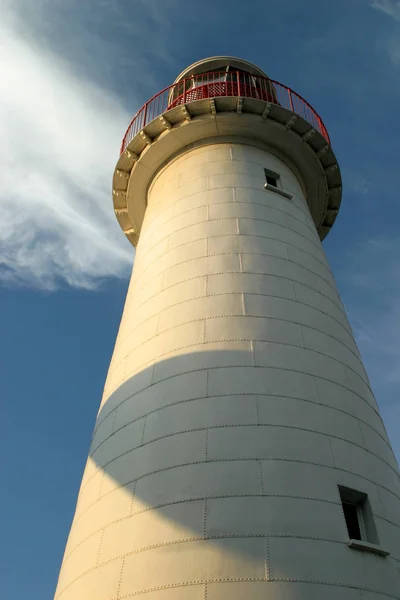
269, 174
277, 188
369, 540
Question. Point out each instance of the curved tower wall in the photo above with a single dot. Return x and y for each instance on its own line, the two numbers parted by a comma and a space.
235, 404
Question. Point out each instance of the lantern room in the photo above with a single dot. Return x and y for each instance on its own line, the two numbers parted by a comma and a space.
221, 76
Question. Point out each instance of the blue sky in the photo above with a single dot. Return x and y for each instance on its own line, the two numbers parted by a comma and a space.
72, 75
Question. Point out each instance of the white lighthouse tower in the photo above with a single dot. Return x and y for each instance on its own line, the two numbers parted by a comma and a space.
238, 453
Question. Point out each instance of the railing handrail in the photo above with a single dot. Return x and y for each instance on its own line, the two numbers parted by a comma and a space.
207, 79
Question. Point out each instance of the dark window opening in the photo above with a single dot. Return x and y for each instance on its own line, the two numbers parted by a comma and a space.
271, 177
271, 181
351, 516
358, 515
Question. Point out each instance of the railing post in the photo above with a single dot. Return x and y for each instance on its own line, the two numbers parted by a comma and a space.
145, 115
238, 83
184, 91
320, 125
291, 100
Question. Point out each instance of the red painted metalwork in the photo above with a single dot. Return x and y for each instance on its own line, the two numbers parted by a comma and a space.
217, 84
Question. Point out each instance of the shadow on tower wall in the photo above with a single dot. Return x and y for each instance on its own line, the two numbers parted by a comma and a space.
207, 465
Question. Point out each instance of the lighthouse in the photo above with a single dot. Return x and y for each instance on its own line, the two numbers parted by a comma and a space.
238, 452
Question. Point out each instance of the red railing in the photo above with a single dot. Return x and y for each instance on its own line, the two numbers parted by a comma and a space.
214, 85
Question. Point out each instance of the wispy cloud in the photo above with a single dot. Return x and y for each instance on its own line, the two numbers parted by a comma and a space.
393, 48
389, 7
392, 41
60, 137
360, 185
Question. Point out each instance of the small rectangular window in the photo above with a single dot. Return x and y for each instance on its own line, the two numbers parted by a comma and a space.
273, 184
358, 515
271, 177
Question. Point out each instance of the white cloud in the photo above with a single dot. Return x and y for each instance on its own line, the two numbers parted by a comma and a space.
60, 137
389, 7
